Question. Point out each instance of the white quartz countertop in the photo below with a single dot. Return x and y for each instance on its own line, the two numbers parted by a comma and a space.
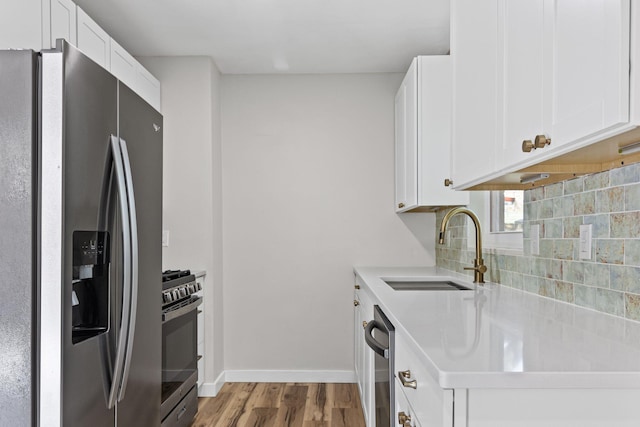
499, 337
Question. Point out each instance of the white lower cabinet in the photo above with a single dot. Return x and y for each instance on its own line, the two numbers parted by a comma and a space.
404, 413
364, 364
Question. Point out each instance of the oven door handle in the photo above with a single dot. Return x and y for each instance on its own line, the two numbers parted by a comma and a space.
372, 342
173, 314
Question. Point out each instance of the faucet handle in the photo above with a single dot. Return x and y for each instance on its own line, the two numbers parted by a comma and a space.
480, 268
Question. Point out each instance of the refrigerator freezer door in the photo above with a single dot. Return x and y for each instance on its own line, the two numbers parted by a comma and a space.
141, 127
17, 245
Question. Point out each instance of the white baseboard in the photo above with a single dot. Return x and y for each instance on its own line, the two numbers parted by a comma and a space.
291, 376
212, 389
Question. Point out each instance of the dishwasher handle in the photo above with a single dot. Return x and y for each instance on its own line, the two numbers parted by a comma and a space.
372, 342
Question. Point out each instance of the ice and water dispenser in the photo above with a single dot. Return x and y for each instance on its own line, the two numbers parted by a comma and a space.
90, 294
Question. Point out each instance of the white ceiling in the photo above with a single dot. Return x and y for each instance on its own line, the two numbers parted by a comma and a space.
274, 36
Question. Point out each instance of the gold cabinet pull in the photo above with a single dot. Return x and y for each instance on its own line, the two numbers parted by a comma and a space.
400, 205
356, 302
541, 141
448, 182
406, 382
364, 323
527, 146
404, 419
357, 286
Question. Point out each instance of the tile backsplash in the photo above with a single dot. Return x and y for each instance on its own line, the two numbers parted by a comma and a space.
608, 282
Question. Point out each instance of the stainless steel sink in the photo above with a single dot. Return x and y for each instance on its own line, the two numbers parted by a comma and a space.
425, 285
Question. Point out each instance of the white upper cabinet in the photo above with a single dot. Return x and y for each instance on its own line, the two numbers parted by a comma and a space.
423, 136
148, 87
93, 41
123, 65
476, 116
553, 69
62, 22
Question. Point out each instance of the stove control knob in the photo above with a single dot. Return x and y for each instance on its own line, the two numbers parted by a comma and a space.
167, 297
176, 294
198, 286
190, 289
183, 292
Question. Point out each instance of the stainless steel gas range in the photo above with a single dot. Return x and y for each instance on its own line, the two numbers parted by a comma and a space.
179, 348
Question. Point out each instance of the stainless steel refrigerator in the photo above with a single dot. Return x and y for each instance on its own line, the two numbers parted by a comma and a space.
80, 245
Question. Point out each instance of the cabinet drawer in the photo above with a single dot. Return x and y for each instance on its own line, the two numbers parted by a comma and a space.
403, 407
433, 405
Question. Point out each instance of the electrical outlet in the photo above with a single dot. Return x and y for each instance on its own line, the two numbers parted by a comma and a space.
585, 241
535, 239
165, 238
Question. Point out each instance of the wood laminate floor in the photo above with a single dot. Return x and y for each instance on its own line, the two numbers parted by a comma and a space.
281, 405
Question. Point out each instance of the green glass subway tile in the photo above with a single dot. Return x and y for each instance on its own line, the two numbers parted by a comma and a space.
536, 194
632, 306
584, 203
566, 206
624, 175
597, 275
555, 269
600, 225
524, 264
597, 180
573, 271
609, 301
532, 210
546, 287
530, 284
546, 211
517, 280
574, 186
511, 262
610, 199
625, 225
609, 251
563, 249
553, 190
553, 228
526, 196
632, 252
585, 296
632, 197
526, 247
546, 248
505, 278
539, 267
571, 227
625, 278
564, 291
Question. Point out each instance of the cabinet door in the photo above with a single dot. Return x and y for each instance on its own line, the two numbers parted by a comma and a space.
474, 51
406, 160
520, 25
587, 86
434, 133
93, 41
63, 21
148, 87
123, 65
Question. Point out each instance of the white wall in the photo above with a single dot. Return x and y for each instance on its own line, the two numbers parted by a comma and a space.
307, 193
191, 182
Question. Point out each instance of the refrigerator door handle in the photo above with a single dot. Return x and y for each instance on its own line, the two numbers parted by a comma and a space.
133, 289
123, 199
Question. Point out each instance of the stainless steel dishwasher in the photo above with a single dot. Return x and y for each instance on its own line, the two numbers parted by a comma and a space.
380, 337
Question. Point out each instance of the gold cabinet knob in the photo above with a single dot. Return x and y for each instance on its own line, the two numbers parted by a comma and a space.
448, 182
406, 381
400, 205
404, 419
357, 286
364, 323
541, 141
527, 146
356, 302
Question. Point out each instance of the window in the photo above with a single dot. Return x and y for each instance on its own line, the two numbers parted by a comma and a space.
506, 211
501, 217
